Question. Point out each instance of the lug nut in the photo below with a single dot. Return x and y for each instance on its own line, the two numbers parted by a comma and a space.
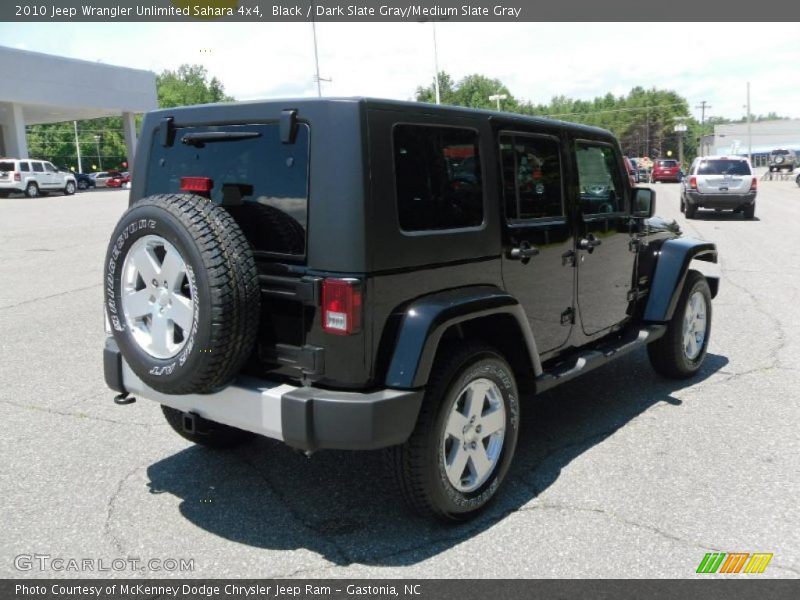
473, 445
155, 283
477, 429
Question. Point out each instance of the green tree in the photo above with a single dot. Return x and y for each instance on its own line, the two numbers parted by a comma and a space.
472, 91
189, 84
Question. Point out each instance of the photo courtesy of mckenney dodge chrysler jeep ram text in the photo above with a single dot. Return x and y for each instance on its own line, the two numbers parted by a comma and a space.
361, 274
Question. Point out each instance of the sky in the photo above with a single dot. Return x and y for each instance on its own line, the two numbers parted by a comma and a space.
536, 61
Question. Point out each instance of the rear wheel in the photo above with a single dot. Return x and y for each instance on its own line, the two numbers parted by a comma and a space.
32, 190
750, 211
690, 211
212, 435
680, 352
460, 451
82, 185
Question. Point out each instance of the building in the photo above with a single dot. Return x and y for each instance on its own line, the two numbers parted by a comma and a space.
765, 136
40, 88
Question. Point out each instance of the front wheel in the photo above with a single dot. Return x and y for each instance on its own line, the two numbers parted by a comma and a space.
69, 189
680, 352
460, 451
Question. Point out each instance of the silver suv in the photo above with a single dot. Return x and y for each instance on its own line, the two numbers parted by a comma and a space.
721, 183
782, 159
32, 177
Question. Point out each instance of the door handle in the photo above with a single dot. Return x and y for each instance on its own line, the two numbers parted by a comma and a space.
523, 252
589, 243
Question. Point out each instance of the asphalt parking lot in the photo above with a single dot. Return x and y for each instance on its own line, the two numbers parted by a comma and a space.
617, 474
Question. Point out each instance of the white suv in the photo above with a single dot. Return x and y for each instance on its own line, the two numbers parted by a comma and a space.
31, 177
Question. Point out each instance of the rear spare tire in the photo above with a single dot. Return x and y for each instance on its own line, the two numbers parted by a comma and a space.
181, 293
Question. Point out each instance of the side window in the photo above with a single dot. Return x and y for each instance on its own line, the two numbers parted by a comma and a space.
24, 167
49, 167
531, 169
37, 167
601, 190
437, 178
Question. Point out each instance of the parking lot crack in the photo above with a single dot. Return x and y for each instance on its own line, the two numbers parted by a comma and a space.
73, 415
340, 556
645, 526
40, 298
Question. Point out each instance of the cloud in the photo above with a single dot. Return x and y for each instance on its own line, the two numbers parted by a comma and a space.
535, 60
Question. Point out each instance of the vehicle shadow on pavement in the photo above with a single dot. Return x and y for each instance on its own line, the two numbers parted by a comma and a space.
344, 506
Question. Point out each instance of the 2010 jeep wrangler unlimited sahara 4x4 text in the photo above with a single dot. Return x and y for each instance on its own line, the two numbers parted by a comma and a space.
361, 274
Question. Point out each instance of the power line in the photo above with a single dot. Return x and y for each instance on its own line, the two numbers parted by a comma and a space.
613, 110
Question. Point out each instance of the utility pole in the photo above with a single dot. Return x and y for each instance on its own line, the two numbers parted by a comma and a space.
703, 106
749, 130
317, 77
77, 147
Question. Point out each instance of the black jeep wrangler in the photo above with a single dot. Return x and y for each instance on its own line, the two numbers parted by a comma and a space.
362, 274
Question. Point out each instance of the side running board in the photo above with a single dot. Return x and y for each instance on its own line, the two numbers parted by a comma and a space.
586, 360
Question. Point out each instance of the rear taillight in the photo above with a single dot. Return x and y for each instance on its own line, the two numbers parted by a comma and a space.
693, 182
198, 185
341, 306
17, 176
754, 184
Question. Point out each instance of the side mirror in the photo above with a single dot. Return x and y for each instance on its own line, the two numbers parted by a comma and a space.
644, 202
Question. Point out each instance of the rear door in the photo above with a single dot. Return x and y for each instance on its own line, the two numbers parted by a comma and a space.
538, 243
723, 176
40, 175
606, 257
7, 169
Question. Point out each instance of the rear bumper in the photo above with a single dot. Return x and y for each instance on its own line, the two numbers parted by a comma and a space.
307, 418
12, 186
721, 201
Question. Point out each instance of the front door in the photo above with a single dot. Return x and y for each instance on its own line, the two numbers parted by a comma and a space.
537, 267
606, 257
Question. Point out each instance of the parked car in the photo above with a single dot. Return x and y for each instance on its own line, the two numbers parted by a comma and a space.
665, 169
118, 180
782, 159
84, 181
635, 165
33, 177
633, 172
380, 297
101, 178
721, 183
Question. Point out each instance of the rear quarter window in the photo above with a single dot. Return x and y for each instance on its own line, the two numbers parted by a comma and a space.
438, 180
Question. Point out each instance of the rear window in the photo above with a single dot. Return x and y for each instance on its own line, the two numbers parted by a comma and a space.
667, 163
437, 178
6, 166
723, 167
261, 180
780, 152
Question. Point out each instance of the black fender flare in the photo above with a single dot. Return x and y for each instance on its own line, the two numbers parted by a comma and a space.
425, 320
674, 258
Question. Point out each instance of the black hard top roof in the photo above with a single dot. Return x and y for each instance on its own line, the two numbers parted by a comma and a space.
442, 109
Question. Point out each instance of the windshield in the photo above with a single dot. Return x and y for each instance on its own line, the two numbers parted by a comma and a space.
723, 167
